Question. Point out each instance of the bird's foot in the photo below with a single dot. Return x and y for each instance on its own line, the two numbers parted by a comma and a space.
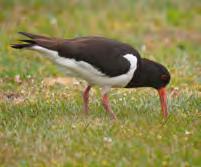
113, 117
108, 109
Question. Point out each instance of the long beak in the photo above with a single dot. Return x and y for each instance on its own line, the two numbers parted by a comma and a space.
163, 99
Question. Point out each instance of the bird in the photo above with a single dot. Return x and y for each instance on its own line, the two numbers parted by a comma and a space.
102, 62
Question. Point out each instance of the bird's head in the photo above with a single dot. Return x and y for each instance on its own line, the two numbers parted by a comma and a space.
155, 75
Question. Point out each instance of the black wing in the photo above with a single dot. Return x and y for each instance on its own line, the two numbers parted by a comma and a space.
104, 54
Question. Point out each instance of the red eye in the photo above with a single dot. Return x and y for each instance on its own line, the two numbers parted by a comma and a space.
164, 77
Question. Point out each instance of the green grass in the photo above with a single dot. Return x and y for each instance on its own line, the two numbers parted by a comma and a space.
43, 125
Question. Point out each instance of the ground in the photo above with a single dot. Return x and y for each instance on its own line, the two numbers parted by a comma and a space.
41, 118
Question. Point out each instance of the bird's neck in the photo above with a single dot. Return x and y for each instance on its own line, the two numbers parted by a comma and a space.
141, 77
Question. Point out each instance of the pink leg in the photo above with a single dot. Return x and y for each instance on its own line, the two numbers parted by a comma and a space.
86, 99
106, 105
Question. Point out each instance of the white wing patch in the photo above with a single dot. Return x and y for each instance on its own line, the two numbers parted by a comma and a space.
88, 72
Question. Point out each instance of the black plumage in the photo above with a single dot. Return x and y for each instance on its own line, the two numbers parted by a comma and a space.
104, 54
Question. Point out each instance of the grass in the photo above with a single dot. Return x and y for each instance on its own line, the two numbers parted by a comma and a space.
42, 124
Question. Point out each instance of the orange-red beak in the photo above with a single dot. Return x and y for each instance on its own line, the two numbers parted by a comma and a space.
163, 99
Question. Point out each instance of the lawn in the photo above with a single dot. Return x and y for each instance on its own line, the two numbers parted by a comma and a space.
41, 118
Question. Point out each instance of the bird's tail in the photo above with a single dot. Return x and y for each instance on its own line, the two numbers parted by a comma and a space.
36, 41
26, 44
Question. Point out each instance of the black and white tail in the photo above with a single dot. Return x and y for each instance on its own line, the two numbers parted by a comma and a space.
36, 40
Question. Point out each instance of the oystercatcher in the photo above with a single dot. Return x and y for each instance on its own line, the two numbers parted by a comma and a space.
101, 61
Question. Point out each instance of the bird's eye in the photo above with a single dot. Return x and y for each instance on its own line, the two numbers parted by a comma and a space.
164, 77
